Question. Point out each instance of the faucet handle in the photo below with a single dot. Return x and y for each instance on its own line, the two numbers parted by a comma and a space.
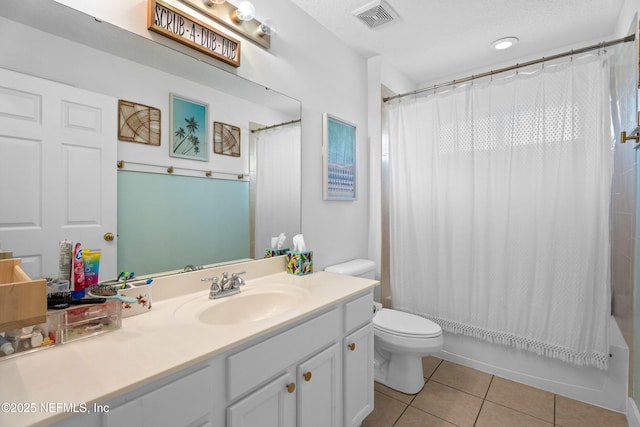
237, 281
215, 288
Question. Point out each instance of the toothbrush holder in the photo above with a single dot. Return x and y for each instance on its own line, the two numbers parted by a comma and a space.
142, 293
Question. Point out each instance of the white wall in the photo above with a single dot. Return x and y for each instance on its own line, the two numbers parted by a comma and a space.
308, 63
379, 74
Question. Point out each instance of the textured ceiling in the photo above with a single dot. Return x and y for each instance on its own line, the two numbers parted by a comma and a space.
438, 39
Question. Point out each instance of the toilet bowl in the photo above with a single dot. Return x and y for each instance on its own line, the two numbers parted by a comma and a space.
400, 339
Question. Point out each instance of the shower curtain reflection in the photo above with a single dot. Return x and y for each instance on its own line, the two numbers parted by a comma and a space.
276, 191
499, 208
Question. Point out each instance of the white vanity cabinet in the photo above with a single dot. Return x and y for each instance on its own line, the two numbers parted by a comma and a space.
316, 373
183, 402
305, 396
357, 350
185, 398
271, 405
319, 389
358, 375
327, 372
306, 363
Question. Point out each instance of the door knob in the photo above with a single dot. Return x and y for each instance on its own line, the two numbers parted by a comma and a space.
108, 237
291, 387
307, 376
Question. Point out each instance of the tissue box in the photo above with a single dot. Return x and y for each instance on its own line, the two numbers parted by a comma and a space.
300, 263
271, 252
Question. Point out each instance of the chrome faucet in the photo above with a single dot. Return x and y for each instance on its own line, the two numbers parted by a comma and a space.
226, 287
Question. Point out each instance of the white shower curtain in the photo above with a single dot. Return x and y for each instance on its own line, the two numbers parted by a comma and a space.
499, 208
277, 204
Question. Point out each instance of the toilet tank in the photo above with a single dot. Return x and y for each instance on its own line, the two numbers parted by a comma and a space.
364, 268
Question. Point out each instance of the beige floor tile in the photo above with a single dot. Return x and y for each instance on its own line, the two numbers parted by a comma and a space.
402, 397
385, 413
492, 415
522, 398
449, 404
429, 365
462, 378
414, 417
572, 413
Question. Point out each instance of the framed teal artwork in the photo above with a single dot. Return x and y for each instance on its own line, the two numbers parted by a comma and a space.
339, 159
189, 133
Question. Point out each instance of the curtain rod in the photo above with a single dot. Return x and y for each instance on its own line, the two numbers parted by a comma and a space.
600, 45
275, 126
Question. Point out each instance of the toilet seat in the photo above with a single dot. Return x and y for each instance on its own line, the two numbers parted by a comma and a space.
407, 325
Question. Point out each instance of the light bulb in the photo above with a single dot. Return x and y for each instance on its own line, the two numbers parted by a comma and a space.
266, 28
245, 11
504, 43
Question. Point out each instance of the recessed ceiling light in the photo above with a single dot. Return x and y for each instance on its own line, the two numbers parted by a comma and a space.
504, 43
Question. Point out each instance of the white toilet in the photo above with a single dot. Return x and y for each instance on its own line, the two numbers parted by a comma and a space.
400, 339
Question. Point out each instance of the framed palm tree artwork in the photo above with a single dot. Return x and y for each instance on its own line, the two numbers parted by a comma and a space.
189, 134
226, 139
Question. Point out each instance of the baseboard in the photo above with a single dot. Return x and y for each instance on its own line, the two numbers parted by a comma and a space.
633, 416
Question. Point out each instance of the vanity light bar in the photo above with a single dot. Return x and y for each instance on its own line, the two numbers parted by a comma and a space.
224, 14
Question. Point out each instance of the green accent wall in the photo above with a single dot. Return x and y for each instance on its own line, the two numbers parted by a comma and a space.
167, 221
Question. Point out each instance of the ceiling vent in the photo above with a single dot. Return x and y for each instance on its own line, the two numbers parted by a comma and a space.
376, 14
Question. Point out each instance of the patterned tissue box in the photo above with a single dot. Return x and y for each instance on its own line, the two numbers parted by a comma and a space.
300, 263
271, 252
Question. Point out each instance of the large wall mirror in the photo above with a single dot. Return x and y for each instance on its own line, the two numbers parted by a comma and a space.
203, 213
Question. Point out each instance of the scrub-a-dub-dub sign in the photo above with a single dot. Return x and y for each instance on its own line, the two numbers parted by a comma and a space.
177, 25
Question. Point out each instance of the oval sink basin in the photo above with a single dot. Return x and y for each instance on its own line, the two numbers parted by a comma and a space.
250, 305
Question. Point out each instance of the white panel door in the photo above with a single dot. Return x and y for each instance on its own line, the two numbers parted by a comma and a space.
58, 149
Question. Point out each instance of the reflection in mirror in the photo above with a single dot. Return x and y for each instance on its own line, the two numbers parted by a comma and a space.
167, 221
275, 212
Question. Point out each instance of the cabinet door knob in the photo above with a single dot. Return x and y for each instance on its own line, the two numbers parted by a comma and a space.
291, 387
307, 376
352, 346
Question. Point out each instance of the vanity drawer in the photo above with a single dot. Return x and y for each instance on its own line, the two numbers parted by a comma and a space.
260, 362
358, 312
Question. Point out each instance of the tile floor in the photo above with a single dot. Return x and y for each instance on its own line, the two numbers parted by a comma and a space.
455, 395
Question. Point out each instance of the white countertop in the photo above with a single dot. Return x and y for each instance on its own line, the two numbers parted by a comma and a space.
97, 369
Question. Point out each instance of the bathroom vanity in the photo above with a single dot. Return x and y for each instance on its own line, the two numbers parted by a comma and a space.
303, 364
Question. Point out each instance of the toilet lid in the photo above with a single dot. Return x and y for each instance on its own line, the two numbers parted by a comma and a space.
405, 324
